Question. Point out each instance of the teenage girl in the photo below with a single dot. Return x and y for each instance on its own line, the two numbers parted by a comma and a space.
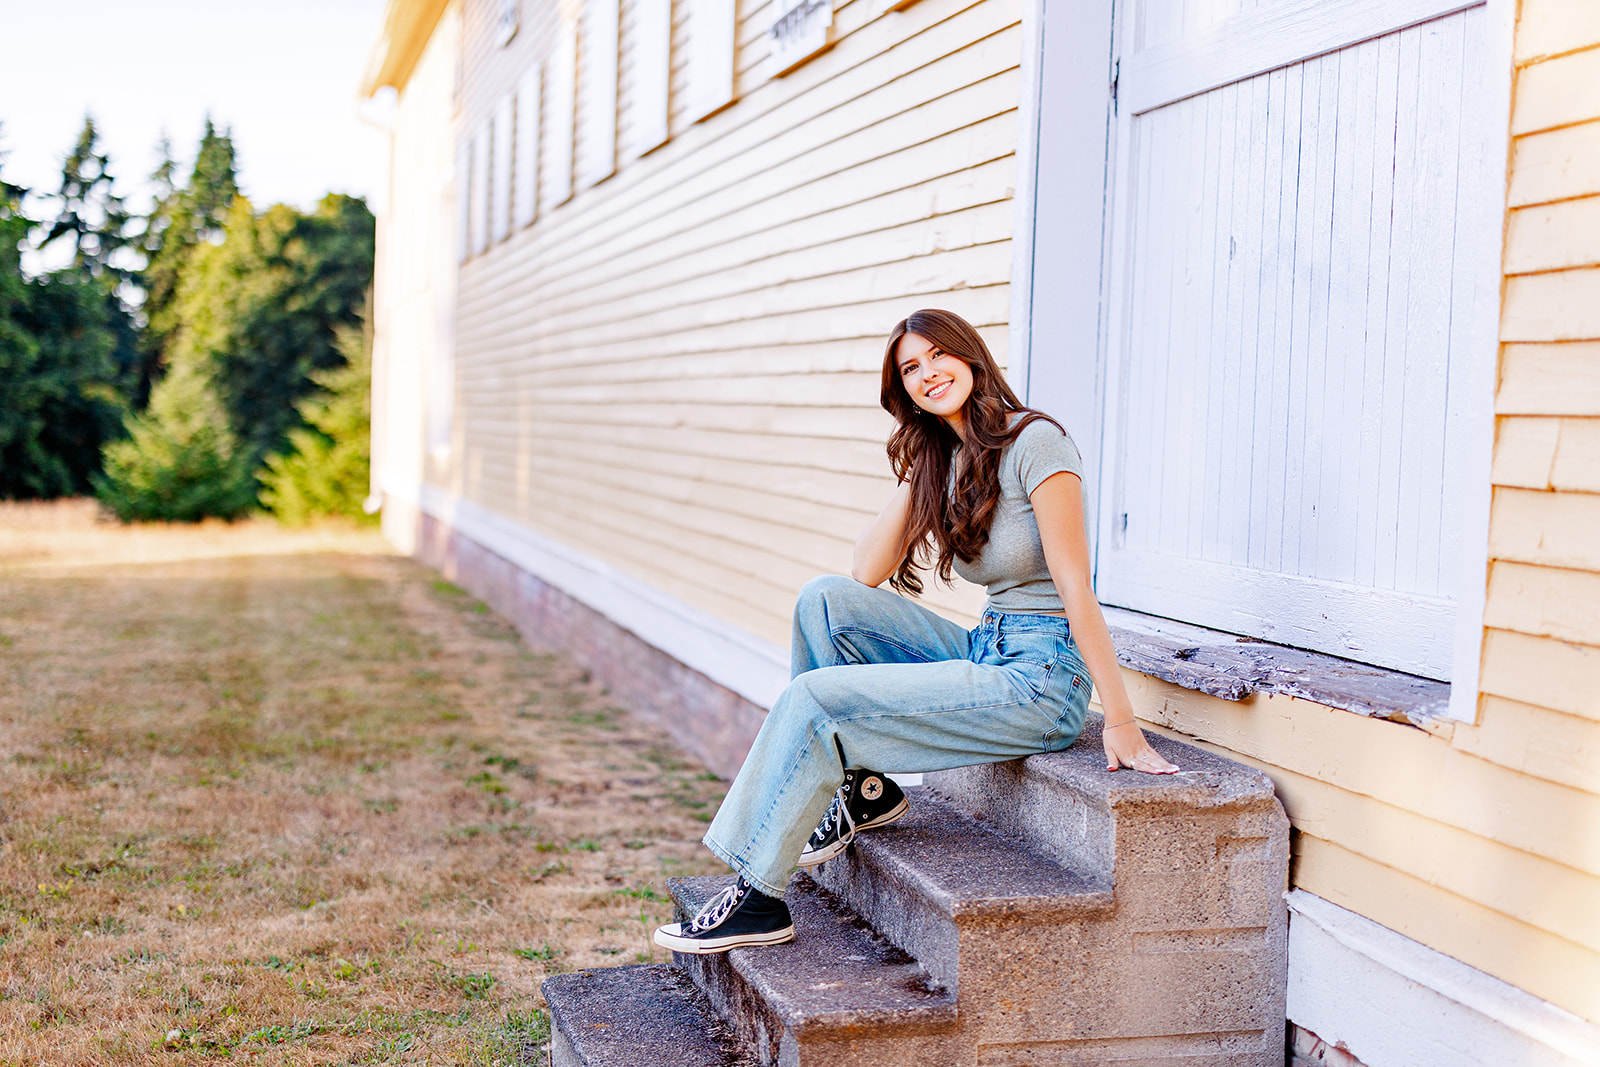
988, 489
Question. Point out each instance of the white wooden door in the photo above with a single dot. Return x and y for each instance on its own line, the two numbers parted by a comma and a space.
1289, 246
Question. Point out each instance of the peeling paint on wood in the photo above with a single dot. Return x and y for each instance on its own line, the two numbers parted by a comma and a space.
1233, 668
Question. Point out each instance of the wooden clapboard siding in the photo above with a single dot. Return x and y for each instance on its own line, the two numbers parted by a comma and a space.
1555, 27
701, 180
677, 227
1552, 968
1550, 379
678, 368
678, 106
1538, 741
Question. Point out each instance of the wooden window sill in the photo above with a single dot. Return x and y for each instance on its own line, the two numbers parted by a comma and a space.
1231, 667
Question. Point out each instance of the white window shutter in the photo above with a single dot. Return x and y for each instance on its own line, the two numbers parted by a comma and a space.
1288, 258
500, 196
561, 72
652, 74
599, 140
463, 201
711, 49
525, 169
480, 188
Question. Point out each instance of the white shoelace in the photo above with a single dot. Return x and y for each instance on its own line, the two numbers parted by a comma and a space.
839, 812
717, 909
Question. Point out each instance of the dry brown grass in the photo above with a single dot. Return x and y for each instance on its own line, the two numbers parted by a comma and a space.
292, 797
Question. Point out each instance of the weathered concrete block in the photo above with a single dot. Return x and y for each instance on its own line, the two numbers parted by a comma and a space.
1188, 964
939, 874
629, 1016
837, 996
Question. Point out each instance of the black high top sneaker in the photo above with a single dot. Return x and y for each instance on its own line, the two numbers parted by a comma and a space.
739, 916
866, 799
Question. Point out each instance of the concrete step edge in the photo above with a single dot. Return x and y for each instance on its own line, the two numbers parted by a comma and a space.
837, 978
637, 1014
972, 871
1205, 781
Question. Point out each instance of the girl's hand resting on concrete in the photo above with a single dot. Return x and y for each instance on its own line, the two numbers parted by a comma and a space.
1126, 746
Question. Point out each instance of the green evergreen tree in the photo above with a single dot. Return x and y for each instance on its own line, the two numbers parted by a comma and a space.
79, 400
158, 279
20, 421
92, 218
181, 221
327, 470
58, 376
262, 309
180, 461
93, 222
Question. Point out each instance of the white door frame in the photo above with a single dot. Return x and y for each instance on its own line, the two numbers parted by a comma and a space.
1057, 349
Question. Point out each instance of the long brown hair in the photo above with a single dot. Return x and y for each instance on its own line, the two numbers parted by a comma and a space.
953, 517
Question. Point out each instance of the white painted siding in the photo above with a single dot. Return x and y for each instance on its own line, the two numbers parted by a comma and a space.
414, 299
677, 368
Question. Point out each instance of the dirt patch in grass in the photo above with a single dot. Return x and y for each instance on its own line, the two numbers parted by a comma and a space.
283, 796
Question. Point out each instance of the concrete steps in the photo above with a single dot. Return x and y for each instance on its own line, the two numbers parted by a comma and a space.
947, 888
838, 994
1041, 911
633, 1016
1191, 964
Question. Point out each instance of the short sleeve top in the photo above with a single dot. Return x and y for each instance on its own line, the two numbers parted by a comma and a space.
1012, 565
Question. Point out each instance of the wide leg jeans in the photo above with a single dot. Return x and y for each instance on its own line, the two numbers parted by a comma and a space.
882, 682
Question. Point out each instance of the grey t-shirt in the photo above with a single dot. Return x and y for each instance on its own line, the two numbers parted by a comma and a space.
1011, 565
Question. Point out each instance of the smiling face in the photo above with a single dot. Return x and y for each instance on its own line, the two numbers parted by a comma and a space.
936, 381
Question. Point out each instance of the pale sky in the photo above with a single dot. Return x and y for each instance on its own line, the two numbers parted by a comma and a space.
283, 74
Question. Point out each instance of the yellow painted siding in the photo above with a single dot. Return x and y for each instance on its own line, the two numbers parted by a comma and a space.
1541, 672
678, 369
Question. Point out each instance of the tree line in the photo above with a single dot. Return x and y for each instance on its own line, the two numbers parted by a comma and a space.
203, 359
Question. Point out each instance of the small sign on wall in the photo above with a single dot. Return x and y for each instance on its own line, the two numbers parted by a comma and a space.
801, 29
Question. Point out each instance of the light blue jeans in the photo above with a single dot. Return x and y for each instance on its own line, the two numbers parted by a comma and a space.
882, 682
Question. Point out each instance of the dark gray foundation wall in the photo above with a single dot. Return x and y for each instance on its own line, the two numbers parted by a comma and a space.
713, 723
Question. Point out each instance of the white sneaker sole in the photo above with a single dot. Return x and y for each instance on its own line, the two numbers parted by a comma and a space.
668, 937
823, 855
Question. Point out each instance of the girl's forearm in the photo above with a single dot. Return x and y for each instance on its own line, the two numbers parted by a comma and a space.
882, 543
1093, 637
